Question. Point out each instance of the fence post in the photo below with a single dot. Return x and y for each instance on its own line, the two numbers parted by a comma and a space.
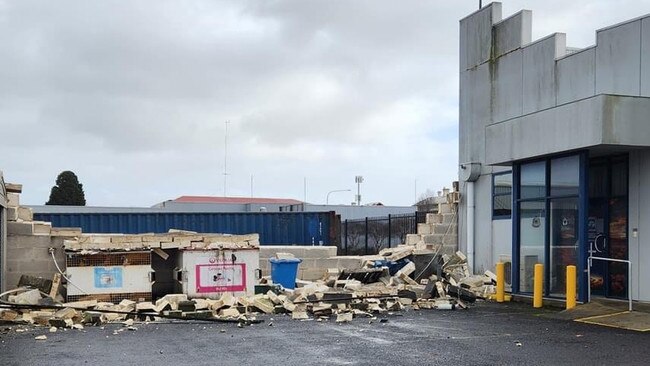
389, 231
346, 237
415, 223
366, 247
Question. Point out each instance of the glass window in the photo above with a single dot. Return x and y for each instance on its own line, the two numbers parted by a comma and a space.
502, 206
549, 218
532, 229
503, 183
564, 241
502, 195
533, 180
597, 185
565, 176
619, 179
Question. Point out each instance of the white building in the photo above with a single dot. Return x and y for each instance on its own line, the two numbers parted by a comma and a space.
555, 152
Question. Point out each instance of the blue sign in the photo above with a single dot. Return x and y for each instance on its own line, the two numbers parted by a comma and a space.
108, 277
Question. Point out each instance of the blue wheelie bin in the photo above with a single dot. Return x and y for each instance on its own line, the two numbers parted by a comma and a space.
284, 271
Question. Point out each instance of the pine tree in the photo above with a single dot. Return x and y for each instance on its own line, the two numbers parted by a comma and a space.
67, 191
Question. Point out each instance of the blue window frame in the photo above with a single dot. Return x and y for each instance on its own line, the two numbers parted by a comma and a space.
502, 195
548, 220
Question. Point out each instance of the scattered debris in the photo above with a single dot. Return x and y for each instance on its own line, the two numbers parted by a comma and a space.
415, 276
40, 337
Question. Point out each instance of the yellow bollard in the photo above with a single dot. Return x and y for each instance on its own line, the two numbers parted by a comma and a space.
501, 287
538, 285
571, 284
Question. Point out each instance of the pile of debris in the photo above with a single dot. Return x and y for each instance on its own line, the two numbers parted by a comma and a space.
385, 284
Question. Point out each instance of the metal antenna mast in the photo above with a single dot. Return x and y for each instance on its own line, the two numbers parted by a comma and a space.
225, 160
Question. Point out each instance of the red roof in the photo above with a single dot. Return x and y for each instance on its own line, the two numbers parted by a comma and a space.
236, 200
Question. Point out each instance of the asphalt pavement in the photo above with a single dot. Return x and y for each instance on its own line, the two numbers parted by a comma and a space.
486, 334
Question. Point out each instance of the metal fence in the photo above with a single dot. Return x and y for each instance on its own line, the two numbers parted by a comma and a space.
274, 228
372, 234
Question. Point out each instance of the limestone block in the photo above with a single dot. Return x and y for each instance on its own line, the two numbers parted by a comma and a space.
95, 239
450, 240
311, 274
157, 238
183, 238
65, 231
432, 239
351, 262
445, 229
425, 229
282, 255
319, 251
25, 214
29, 240
413, 239
12, 213
312, 263
332, 262
13, 199
42, 228
126, 239
171, 245
172, 299
271, 251
444, 208
449, 218
434, 218
20, 228
72, 245
13, 187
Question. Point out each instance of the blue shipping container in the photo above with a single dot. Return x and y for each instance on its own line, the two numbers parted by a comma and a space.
274, 228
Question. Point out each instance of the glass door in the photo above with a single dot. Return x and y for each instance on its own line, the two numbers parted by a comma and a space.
607, 225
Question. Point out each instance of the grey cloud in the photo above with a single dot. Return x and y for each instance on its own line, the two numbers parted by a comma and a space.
133, 95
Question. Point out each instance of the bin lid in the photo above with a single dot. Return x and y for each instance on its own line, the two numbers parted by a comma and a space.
285, 260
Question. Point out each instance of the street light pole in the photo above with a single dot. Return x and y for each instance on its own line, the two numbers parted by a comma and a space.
327, 199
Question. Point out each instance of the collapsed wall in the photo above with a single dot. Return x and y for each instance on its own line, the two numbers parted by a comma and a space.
29, 243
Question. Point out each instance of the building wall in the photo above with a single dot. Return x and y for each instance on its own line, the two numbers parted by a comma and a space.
29, 255
3, 232
521, 99
639, 219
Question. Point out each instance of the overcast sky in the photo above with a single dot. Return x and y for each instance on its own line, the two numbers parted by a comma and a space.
133, 95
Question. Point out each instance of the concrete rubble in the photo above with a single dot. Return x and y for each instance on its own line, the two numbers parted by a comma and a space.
174, 239
426, 272
342, 295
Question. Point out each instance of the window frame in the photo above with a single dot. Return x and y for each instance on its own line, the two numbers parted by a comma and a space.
494, 195
582, 196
